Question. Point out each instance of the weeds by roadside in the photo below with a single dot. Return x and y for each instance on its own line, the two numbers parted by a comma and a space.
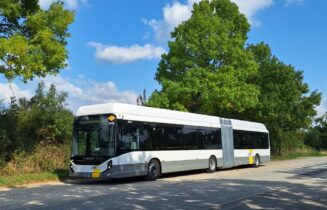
46, 162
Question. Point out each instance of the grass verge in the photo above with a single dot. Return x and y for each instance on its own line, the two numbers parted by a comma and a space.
299, 155
27, 178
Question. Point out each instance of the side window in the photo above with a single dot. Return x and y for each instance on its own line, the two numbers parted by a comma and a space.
201, 138
173, 138
218, 137
240, 140
211, 141
243, 140
148, 137
190, 137
250, 140
129, 137
235, 139
160, 137
265, 139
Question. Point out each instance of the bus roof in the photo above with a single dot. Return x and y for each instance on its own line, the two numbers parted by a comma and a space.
149, 114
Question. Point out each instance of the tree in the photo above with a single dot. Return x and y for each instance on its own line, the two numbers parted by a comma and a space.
317, 135
32, 40
285, 103
45, 117
207, 69
141, 100
8, 132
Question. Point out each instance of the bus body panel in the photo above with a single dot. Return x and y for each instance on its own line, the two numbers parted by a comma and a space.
246, 156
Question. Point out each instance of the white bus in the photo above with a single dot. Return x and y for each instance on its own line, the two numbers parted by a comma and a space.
117, 140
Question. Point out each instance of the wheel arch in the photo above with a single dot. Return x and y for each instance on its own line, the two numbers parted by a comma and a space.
157, 159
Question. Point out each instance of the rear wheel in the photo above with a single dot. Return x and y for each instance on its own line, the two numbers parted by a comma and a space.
256, 161
212, 165
154, 170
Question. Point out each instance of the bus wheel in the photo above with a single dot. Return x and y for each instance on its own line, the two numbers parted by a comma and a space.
153, 170
212, 165
256, 161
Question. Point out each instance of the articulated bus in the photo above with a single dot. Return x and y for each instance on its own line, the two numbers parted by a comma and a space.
117, 140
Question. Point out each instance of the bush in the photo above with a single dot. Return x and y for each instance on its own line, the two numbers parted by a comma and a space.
43, 158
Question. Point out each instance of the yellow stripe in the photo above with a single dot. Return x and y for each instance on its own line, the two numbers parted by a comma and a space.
251, 159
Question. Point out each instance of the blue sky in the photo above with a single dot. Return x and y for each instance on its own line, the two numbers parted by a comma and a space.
115, 46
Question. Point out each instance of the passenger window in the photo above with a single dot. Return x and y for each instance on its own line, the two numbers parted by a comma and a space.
129, 138
173, 138
190, 138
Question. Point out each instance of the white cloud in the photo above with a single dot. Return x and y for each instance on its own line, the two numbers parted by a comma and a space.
126, 54
8, 90
251, 7
81, 91
296, 2
70, 4
322, 108
173, 15
176, 13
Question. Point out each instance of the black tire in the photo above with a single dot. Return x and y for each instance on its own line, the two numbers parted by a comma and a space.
154, 170
212, 165
256, 161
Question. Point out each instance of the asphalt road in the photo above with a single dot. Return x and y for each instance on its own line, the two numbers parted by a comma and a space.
291, 184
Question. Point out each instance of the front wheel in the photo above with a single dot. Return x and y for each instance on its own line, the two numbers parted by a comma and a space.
212, 165
154, 170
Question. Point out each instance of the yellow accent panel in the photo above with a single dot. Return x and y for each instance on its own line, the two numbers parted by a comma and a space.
251, 159
96, 173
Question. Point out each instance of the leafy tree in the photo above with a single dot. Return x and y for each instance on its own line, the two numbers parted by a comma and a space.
317, 136
8, 134
32, 40
207, 69
44, 117
285, 102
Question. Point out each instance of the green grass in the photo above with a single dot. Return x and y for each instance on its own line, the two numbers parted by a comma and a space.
19, 179
299, 155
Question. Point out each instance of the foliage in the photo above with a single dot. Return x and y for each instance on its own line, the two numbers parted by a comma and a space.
43, 119
285, 104
32, 40
44, 157
207, 69
141, 100
317, 135
299, 153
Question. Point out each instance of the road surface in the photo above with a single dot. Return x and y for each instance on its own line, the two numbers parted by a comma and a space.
291, 184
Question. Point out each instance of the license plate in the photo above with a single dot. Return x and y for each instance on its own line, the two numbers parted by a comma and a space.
96, 173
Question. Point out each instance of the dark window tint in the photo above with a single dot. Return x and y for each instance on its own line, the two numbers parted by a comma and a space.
173, 138
191, 138
146, 136
128, 137
250, 140
212, 139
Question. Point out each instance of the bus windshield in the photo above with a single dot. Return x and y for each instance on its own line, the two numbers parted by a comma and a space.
93, 137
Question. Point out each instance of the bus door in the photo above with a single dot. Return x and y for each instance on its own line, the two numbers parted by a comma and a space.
227, 143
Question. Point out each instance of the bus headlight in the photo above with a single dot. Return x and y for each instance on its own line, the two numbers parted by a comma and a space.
71, 167
109, 165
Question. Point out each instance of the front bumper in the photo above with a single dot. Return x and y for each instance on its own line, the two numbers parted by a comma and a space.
93, 172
